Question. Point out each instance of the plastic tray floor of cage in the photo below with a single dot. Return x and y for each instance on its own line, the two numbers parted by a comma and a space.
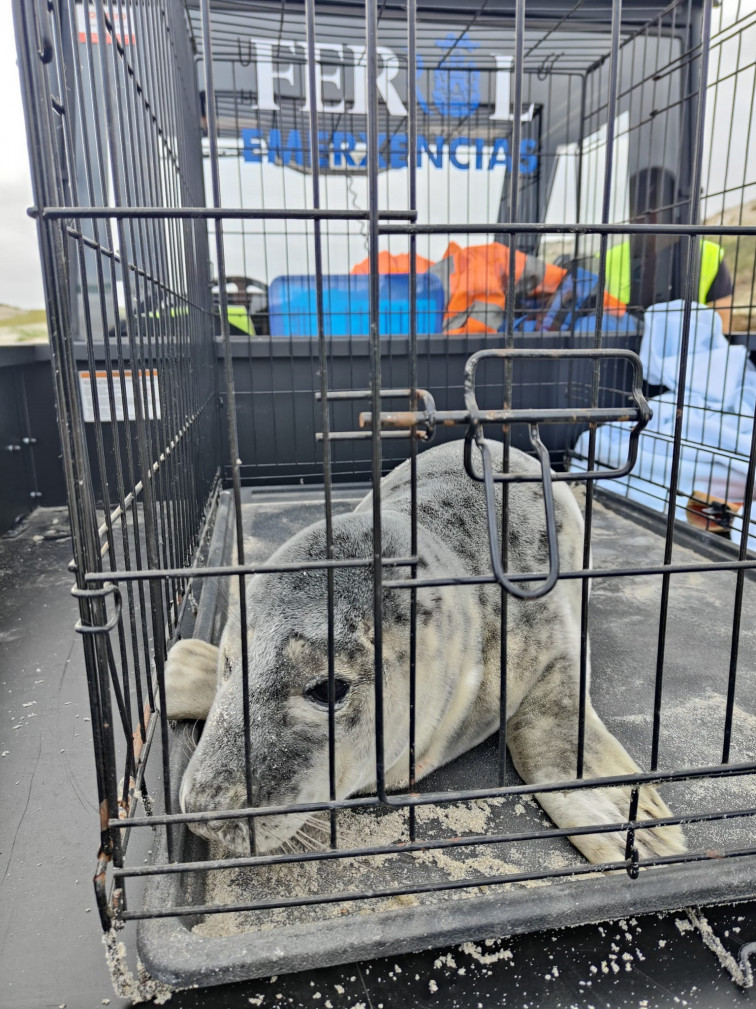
183, 951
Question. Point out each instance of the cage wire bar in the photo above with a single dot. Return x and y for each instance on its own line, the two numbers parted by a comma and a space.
137, 492
237, 117
114, 116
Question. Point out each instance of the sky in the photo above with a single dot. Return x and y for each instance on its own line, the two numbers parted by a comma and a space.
20, 277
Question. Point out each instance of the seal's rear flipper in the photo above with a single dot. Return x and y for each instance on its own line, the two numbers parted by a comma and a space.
190, 679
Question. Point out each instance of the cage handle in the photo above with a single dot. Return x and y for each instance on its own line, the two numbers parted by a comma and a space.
513, 588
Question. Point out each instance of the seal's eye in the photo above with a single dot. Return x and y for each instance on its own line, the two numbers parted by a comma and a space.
318, 692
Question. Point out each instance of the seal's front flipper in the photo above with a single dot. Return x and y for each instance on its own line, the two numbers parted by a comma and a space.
604, 757
542, 737
190, 679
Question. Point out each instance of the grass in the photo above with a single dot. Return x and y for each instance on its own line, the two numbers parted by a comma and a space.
20, 326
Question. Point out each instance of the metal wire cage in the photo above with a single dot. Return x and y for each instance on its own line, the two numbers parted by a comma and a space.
548, 131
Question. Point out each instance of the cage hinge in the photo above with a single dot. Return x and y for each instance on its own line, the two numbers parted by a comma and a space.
108, 589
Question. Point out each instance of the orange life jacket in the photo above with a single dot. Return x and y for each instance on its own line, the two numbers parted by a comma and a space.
476, 279
393, 263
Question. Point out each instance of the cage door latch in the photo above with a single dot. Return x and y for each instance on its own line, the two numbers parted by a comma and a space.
512, 587
423, 423
640, 413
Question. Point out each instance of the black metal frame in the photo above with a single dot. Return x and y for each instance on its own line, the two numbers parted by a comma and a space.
140, 545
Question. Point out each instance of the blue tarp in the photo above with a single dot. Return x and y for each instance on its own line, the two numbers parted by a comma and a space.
717, 421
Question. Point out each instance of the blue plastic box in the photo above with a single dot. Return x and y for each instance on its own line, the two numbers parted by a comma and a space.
346, 307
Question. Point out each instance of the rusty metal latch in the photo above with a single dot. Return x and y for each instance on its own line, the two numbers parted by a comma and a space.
394, 424
422, 424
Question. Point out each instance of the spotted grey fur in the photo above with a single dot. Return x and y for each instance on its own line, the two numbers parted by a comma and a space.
458, 668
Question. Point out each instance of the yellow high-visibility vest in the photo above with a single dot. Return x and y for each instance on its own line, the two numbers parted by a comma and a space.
618, 280
239, 317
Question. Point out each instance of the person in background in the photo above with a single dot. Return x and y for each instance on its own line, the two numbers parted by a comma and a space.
648, 269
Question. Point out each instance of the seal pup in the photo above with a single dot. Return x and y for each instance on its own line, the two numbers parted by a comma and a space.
457, 670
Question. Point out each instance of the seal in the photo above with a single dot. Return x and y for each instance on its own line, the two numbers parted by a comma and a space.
457, 668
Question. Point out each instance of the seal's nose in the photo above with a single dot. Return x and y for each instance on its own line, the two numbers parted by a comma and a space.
194, 797
232, 834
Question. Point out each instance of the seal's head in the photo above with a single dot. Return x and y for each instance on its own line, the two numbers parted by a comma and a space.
288, 688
